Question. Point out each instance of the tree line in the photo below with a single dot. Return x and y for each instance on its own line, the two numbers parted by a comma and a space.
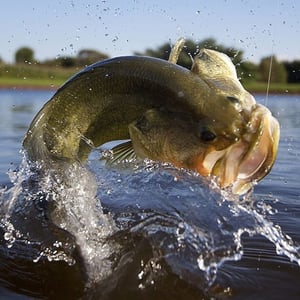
84, 57
281, 72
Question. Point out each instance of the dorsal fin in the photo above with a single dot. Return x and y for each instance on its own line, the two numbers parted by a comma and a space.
176, 50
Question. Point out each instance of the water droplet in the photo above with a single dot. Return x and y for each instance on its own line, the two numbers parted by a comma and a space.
115, 39
180, 94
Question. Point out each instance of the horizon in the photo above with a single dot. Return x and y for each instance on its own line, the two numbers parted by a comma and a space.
63, 28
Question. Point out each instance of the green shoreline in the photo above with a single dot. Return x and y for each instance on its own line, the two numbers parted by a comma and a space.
34, 84
42, 77
52, 87
54, 84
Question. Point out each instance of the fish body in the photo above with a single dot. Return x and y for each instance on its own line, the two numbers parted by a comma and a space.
99, 103
201, 119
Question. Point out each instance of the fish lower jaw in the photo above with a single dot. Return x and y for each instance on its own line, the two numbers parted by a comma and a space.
235, 167
243, 166
241, 187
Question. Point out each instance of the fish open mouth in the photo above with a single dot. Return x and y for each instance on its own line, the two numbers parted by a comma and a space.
249, 159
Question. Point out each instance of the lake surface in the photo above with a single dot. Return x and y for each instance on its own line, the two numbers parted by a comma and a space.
146, 230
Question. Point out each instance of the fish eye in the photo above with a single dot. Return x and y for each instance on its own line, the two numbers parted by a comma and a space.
233, 99
206, 135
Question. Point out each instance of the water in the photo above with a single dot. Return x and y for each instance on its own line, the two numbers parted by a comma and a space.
144, 230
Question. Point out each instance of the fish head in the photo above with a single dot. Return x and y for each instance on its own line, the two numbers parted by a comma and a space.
248, 159
235, 161
229, 137
255, 130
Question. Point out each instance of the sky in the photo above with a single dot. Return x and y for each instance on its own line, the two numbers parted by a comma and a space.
55, 28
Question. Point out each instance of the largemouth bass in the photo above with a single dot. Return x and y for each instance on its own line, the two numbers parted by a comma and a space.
201, 119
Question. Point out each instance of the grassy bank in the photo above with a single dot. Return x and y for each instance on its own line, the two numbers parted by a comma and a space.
30, 83
51, 77
33, 76
275, 88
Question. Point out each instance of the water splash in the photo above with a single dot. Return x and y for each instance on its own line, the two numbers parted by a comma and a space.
78, 212
192, 227
51, 204
196, 226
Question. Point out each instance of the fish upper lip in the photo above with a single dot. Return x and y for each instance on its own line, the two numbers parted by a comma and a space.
260, 156
250, 158
267, 131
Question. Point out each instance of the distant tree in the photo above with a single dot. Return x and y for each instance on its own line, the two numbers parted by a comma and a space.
89, 56
66, 61
24, 55
278, 71
191, 49
248, 71
293, 71
85, 57
162, 52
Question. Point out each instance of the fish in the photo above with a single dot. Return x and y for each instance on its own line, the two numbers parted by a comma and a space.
200, 119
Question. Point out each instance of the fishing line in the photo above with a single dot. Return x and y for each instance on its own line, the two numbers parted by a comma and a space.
269, 79
271, 58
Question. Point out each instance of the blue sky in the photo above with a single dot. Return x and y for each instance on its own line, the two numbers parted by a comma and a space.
53, 28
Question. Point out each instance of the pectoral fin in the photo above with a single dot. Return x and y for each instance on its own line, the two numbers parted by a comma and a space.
123, 152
